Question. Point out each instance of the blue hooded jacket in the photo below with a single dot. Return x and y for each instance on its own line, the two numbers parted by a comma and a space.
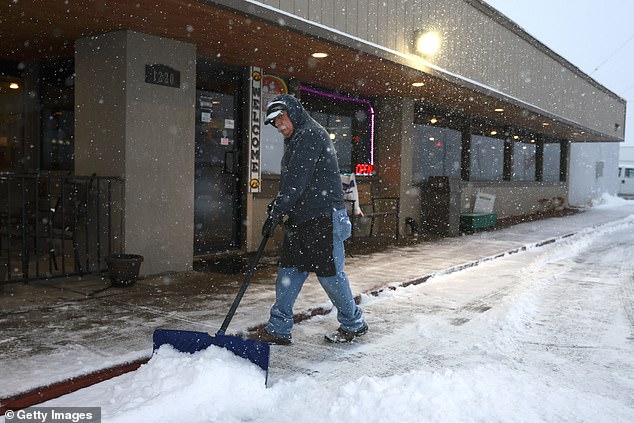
310, 182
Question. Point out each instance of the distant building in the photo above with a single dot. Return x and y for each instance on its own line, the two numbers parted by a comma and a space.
428, 101
626, 154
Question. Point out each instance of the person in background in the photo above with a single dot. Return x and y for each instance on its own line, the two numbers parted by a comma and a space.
310, 200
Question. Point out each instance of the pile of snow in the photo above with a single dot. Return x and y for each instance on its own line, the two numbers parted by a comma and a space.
215, 386
608, 201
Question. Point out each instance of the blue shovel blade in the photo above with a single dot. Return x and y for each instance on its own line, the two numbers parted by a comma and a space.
256, 352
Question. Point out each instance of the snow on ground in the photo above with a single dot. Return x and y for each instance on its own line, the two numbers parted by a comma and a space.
544, 335
608, 201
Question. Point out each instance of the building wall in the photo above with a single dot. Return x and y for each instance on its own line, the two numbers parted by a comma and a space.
626, 154
516, 198
394, 134
143, 133
479, 46
593, 171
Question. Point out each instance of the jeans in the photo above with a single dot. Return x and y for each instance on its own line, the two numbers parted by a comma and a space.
290, 281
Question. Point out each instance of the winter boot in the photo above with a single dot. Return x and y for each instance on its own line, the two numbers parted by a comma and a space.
263, 335
341, 336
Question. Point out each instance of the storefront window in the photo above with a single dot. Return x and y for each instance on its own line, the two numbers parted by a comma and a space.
523, 161
57, 95
340, 131
350, 124
487, 158
436, 152
552, 162
11, 123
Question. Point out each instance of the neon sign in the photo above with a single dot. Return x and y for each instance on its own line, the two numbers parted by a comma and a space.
364, 169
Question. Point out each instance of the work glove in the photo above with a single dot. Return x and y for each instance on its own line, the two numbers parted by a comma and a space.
271, 221
269, 225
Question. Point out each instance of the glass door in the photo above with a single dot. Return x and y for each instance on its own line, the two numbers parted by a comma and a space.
217, 199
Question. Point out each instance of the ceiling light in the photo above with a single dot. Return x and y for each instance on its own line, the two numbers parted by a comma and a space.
516, 137
494, 132
14, 86
499, 109
545, 124
418, 84
433, 120
428, 43
319, 55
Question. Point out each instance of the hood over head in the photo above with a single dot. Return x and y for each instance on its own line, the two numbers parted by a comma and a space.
286, 102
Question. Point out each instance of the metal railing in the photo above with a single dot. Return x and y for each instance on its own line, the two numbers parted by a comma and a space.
53, 225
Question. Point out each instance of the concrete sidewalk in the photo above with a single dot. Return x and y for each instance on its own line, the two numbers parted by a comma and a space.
59, 329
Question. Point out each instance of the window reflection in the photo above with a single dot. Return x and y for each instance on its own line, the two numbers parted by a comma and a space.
436, 152
11, 123
552, 162
487, 158
524, 161
339, 129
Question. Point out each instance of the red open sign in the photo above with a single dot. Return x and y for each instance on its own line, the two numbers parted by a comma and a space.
364, 169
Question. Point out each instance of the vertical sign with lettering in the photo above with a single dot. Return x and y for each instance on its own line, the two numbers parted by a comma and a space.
255, 122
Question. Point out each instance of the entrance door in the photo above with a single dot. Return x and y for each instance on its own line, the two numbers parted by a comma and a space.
626, 180
217, 199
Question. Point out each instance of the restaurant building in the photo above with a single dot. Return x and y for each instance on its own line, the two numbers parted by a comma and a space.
428, 102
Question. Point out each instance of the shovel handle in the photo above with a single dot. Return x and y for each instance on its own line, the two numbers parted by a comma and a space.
243, 288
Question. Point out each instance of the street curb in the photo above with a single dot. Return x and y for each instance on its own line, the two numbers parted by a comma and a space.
45, 393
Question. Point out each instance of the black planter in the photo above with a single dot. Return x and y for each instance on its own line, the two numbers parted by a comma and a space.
123, 269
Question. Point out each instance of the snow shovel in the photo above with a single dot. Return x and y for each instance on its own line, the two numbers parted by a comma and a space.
188, 341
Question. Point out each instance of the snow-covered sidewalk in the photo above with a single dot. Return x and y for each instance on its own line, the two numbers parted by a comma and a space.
487, 343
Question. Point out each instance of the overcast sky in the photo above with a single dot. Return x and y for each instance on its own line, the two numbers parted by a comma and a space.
595, 36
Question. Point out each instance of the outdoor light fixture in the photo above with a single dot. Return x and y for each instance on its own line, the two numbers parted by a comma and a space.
14, 86
319, 55
427, 43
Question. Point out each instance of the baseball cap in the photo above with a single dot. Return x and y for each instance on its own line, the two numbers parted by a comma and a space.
274, 109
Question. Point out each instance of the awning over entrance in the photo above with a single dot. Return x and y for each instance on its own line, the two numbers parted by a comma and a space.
34, 30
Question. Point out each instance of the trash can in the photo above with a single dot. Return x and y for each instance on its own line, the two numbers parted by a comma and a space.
440, 206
